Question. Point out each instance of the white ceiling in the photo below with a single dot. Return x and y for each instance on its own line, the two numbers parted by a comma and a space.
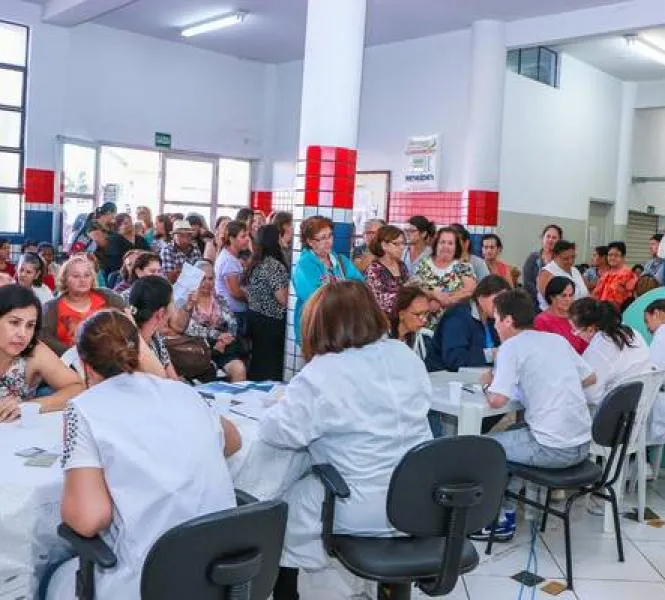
274, 31
612, 55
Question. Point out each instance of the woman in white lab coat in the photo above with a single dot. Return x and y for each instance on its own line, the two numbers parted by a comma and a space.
654, 316
615, 351
360, 403
128, 476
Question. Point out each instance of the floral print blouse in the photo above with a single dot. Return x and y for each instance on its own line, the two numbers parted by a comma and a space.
13, 382
449, 279
384, 285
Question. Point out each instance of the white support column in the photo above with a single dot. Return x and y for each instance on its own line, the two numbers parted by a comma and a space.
332, 77
482, 149
625, 160
484, 125
332, 73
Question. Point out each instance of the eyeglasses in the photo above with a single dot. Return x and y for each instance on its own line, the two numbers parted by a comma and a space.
420, 315
323, 238
397, 243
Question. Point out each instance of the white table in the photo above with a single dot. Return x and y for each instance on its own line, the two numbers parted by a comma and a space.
473, 407
30, 496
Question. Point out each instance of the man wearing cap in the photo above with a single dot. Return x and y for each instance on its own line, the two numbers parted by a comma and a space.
179, 251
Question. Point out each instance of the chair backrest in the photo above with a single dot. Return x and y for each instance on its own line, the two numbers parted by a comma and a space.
652, 382
232, 553
447, 487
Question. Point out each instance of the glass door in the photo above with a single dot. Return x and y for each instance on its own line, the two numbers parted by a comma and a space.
190, 185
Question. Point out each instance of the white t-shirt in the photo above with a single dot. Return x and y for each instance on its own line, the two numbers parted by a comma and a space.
160, 446
43, 293
612, 366
225, 265
656, 425
548, 374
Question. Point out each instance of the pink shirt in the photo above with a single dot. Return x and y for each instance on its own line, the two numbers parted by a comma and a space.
546, 321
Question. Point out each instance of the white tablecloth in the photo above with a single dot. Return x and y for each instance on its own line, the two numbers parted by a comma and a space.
30, 496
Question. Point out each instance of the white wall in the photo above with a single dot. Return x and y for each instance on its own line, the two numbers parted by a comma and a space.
104, 84
409, 88
649, 159
560, 146
650, 94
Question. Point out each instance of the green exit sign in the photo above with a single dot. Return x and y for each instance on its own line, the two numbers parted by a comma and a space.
162, 140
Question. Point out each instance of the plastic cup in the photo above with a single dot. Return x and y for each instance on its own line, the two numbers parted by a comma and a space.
30, 414
455, 391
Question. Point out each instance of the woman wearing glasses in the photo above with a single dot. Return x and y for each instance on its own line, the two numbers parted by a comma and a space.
387, 273
319, 264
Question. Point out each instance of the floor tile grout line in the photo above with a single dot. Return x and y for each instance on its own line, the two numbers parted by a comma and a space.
653, 566
466, 589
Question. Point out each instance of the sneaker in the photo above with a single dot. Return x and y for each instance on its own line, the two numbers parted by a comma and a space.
504, 531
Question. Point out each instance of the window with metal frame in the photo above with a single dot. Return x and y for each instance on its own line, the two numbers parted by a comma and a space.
14, 43
539, 63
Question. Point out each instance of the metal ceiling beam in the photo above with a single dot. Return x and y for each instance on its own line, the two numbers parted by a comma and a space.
69, 13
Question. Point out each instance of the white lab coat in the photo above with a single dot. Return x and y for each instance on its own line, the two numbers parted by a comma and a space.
161, 449
613, 366
656, 424
359, 410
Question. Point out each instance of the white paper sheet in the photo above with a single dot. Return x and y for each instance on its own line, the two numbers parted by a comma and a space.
188, 282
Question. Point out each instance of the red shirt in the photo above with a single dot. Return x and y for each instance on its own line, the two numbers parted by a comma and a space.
9, 268
548, 322
69, 318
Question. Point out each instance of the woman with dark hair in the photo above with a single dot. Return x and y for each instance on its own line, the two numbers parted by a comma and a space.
149, 305
229, 272
46, 252
120, 242
380, 387
615, 352
144, 264
162, 236
447, 279
419, 233
562, 265
492, 246
284, 222
387, 273
559, 295
267, 294
409, 315
539, 258
124, 477
25, 362
30, 274
118, 281
618, 283
319, 264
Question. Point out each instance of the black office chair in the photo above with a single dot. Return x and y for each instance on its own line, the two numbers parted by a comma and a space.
611, 429
439, 492
229, 555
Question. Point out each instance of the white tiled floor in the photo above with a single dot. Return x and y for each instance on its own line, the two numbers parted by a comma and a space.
598, 574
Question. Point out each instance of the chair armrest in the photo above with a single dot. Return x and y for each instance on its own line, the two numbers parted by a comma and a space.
92, 549
243, 498
332, 481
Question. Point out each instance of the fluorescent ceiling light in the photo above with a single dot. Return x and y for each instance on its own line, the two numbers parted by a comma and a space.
220, 23
646, 49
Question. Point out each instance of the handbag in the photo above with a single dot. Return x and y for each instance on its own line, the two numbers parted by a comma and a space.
191, 356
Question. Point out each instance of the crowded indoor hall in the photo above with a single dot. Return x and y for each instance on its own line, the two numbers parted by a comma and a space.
332, 299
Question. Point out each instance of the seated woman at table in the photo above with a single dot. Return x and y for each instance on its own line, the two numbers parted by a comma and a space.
146, 263
559, 295
615, 351
125, 478
654, 317
380, 387
543, 371
25, 361
150, 307
409, 316
465, 336
386, 274
210, 318
78, 300
562, 265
